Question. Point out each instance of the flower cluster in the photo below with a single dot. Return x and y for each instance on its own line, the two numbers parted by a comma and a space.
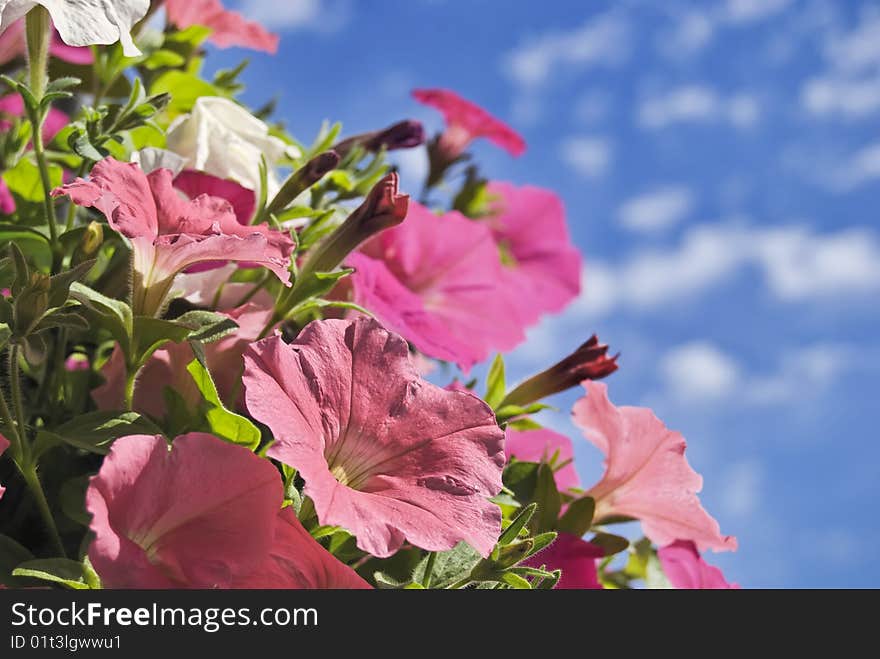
221, 342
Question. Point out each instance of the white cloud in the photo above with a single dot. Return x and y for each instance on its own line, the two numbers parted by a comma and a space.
697, 103
698, 370
320, 15
588, 155
749, 11
795, 263
701, 371
851, 99
692, 33
861, 167
601, 40
858, 49
656, 210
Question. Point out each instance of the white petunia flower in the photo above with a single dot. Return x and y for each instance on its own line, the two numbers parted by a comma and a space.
84, 22
222, 138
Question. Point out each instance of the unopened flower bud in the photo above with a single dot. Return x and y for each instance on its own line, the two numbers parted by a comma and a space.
589, 362
302, 179
32, 303
92, 238
404, 134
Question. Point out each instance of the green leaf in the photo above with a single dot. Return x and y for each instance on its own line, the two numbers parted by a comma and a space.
524, 424
96, 431
515, 581
5, 334
449, 566
112, 315
610, 543
548, 499
518, 523
207, 326
59, 285
25, 183
224, 423
151, 333
57, 570
495, 384
578, 518
184, 88
542, 541
521, 478
72, 496
12, 554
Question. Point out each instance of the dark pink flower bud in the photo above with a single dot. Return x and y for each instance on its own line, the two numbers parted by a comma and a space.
404, 134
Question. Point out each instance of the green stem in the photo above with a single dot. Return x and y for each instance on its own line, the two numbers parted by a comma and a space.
429, 569
15, 442
37, 31
15, 389
29, 472
130, 377
460, 584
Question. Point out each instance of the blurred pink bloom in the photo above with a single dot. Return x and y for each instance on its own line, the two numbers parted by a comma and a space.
7, 202
167, 366
200, 515
575, 557
76, 363
4, 444
543, 266
540, 446
647, 475
168, 233
228, 28
383, 453
13, 106
296, 560
466, 121
686, 569
13, 45
204, 514
436, 280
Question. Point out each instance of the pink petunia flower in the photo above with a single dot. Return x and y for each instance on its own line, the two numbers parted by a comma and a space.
575, 557
167, 366
168, 233
543, 267
686, 569
7, 201
647, 475
13, 106
383, 453
466, 121
4, 444
204, 514
541, 446
228, 28
436, 280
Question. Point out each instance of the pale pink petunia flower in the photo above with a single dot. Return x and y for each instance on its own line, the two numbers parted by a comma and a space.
169, 233
543, 267
436, 280
166, 367
647, 475
541, 446
203, 513
575, 557
686, 569
384, 454
7, 201
467, 121
228, 28
4, 444
13, 106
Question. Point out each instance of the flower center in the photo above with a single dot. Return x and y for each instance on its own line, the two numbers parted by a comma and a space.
339, 474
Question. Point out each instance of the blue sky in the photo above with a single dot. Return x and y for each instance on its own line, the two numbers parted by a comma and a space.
720, 164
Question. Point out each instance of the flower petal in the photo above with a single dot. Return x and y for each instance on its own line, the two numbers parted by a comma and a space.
542, 445
575, 557
647, 475
686, 569
383, 453
228, 28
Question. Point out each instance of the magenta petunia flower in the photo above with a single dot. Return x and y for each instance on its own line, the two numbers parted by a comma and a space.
543, 267
686, 569
647, 475
13, 106
4, 444
193, 184
575, 557
466, 121
169, 233
383, 453
7, 201
541, 446
228, 28
436, 280
202, 513
167, 366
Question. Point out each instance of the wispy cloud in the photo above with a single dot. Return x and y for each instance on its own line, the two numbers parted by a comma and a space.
829, 96
749, 11
327, 16
601, 40
699, 370
658, 209
859, 168
795, 262
588, 155
697, 103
